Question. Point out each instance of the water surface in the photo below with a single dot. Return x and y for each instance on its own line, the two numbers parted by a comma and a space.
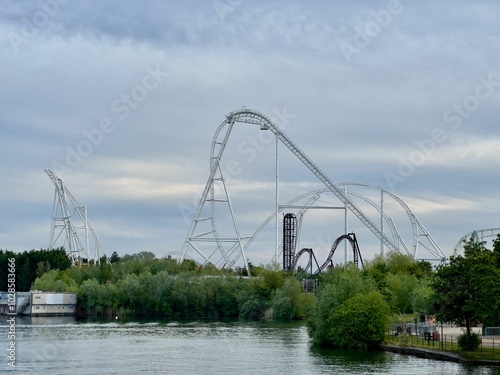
69, 346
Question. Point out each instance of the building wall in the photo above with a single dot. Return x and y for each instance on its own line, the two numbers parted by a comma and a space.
53, 310
41, 303
46, 298
23, 302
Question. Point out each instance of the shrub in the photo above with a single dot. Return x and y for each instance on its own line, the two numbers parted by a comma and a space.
470, 342
360, 322
349, 311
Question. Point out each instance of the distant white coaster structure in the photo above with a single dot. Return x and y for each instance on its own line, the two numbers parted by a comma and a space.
224, 251
69, 220
420, 237
477, 236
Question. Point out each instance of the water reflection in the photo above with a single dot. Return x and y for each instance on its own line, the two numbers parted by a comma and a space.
372, 362
39, 320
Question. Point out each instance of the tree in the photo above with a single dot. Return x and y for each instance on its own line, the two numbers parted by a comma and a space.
55, 281
32, 264
360, 322
467, 287
114, 258
422, 297
346, 298
401, 287
105, 271
41, 268
290, 301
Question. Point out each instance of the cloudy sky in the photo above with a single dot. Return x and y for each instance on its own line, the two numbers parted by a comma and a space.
121, 99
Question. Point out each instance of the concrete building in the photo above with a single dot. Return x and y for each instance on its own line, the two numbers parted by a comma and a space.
39, 303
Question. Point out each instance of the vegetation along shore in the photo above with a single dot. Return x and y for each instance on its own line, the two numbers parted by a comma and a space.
351, 307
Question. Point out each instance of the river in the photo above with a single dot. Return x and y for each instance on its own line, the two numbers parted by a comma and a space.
64, 345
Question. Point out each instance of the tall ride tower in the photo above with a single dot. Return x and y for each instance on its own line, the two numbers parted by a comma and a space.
69, 219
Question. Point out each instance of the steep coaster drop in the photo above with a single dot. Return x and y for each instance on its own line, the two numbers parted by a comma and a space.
203, 239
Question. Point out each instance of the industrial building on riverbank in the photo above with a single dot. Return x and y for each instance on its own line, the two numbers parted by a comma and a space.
38, 303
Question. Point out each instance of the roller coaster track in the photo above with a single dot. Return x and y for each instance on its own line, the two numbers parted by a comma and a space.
231, 248
351, 237
309, 263
312, 197
477, 236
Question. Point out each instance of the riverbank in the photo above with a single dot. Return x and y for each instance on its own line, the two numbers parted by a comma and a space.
437, 353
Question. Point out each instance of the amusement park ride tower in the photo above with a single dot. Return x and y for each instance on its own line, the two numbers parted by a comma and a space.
70, 220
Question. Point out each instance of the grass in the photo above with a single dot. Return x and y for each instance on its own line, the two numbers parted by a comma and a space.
448, 344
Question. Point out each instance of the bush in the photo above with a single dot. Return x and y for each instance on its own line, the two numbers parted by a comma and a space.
349, 311
469, 343
290, 301
250, 305
360, 322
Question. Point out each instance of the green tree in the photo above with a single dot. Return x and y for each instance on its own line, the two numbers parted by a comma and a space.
28, 265
97, 297
360, 322
114, 258
105, 271
42, 267
250, 305
226, 301
287, 299
422, 297
466, 288
339, 285
55, 281
290, 301
401, 287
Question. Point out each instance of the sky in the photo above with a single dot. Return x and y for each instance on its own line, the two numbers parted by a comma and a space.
121, 100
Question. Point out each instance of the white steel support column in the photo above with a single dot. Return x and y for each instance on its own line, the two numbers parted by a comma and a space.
277, 199
86, 227
346, 226
382, 221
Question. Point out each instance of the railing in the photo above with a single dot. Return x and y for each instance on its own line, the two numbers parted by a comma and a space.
489, 347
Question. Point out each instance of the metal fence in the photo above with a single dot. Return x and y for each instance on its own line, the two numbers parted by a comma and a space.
434, 337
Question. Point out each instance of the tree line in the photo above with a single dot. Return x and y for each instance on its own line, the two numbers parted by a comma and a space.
31, 264
351, 308
142, 285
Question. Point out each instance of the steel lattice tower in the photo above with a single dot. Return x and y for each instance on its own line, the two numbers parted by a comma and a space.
69, 219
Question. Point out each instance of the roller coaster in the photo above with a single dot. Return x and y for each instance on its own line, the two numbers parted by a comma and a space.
291, 259
351, 237
71, 226
204, 242
477, 236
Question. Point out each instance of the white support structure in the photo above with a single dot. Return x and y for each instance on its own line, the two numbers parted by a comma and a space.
420, 239
228, 249
478, 235
69, 220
